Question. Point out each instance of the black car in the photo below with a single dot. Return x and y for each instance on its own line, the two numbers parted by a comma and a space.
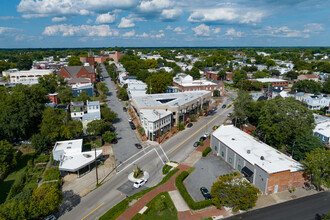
203, 138
190, 125
205, 193
224, 106
132, 125
214, 108
211, 112
114, 141
138, 146
124, 109
196, 144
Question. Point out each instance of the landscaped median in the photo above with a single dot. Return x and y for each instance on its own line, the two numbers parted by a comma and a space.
186, 196
122, 206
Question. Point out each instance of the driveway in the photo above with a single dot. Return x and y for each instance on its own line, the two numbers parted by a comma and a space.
206, 172
125, 147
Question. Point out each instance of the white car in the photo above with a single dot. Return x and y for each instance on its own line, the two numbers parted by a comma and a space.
140, 183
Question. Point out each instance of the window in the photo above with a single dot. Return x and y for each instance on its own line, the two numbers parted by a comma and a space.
239, 167
223, 154
230, 160
215, 148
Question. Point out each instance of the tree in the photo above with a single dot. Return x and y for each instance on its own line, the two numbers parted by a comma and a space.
216, 93
317, 164
260, 74
282, 120
24, 62
109, 136
200, 65
222, 74
158, 82
51, 82
107, 114
194, 72
292, 75
308, 86
270, 63
151, 64
103, 87
83, 96
74, 61
39, 143
231, 190
44, 199
238, 75
242, 106
326, 87
52, 123
7, 156
98, 127
65, 94
122, 94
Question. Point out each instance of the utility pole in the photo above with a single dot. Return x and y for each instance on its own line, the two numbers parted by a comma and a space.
97, 177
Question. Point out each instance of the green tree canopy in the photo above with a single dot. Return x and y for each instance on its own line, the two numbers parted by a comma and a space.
308, 86
24, 62
83, 96
53, 121
74, 61
222, 74
122, 94
159, 82
292, 75
51, 82
151, 64
194, 72
317, 164
260, 74
238, 75
98, 127
65, 94
107, 114
326, 87
7, 152
39, 143
109, 136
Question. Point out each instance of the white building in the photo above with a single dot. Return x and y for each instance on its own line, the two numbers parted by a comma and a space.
322, 130
155, 122
135, 87
316, 102
90, 113
28, 77
6, 73
265, 167
71, 156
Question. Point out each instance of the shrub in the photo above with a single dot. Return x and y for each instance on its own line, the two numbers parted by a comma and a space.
52, 174
41, 159
206, 151
201, 143
166, 169
192, 118
180, 126
184, 193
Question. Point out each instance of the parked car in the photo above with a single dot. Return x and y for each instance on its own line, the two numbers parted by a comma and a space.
196, 144
138, 146
114, 141
50, 217
190, 125
205, 193
124, 109
224, 106
132, 125
206, 114
211, 112
214, 108
140, 183
229, 115
215, 127
206, 134
203, 138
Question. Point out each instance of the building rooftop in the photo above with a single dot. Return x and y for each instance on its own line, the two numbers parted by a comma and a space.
270, 80
323, 128
93, 103
154, 115
187, 80
255, 151
320, 118
171, 99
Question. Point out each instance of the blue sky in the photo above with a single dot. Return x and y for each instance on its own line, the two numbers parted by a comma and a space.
163, 23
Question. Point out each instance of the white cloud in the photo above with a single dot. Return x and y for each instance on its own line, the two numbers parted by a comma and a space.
313, 27
216, 30
159, 35
58, 19
129, 33
4, 30
153, 6
283, 31
168, 28
202, 30
227, 15
126, 23
89, 21
180, 30
47, 8
106, 18
171, 14
143, 35
82, 30
233, 32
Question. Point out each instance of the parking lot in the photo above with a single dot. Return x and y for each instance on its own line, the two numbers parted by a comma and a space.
206, 172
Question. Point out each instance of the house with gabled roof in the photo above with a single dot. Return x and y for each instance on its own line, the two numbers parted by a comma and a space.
78, 74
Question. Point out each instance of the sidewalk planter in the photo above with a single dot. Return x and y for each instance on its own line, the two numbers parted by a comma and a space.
133, 179
206, 151
186, 196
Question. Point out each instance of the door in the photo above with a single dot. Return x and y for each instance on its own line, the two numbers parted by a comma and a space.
275, 189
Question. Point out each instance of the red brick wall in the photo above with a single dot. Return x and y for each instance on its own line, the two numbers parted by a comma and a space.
286, 83
83, 73
53, 99
213, 76
64, 73
229, 76
285, 180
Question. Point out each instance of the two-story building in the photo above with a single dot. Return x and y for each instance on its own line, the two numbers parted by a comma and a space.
28, 77
268, 169
78, 74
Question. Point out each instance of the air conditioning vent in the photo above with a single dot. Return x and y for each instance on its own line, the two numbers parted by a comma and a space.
248, 151
262, 158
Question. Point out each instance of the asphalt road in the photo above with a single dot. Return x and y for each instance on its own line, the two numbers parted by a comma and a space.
150, 158
306, 208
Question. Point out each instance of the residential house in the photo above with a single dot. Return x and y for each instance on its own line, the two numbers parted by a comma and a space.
316, 102
79, 88
308, 77
77, 110
268, 169
322, 130
78, 74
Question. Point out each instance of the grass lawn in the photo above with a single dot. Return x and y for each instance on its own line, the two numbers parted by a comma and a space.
161, 208
6, 184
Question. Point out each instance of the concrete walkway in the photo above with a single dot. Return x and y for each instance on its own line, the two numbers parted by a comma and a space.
178, 201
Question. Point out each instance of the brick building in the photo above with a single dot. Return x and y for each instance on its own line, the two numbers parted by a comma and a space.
78, 74
273, 81
53, 98
185, 83
213, 75
268, 169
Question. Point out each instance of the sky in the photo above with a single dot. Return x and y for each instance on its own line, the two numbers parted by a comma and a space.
163, 23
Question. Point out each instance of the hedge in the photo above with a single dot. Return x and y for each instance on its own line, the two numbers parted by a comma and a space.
206, 151
121, 207
166, 169
184, 193
52, 174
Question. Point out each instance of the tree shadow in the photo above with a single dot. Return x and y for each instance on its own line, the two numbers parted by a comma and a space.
70, 200
117, 120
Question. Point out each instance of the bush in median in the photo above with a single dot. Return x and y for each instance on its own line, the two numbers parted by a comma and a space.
206, 151
186, 196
